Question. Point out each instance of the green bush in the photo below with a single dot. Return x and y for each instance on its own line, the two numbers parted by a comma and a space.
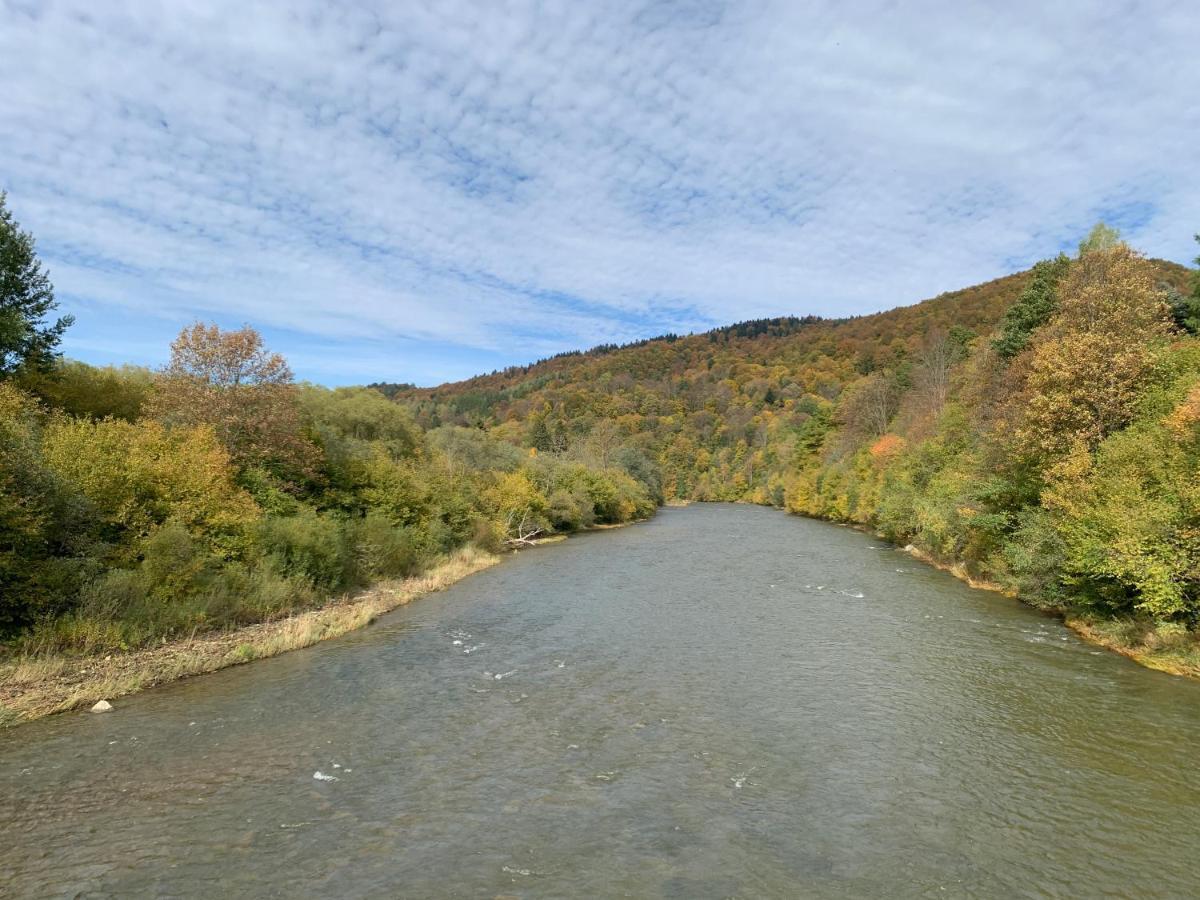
308, 546
381, 549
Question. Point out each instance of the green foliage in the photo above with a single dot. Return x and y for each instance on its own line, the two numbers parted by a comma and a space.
45, 526
93, 392
350, 421
27, 340
1033, 308
381, 550
472, 448
1185, 308
1100, 238
1034, 559
308, 546
137, 506
638, 465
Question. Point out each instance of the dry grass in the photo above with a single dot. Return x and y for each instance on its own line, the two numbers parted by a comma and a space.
957, 569
36, 686
1164, 648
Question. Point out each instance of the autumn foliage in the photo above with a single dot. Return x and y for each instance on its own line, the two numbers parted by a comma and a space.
1038, 430
230, 382
1041, 431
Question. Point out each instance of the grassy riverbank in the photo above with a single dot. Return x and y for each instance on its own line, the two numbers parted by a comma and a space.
36, 686
1164, 647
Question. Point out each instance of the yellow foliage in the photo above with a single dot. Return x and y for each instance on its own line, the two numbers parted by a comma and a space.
139, 475
1089, 367
1185, 418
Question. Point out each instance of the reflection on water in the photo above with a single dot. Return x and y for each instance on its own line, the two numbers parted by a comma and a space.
722, 702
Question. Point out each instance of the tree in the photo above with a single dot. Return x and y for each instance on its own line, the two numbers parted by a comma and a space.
27, 340
1101, 237
229, 380
1033, 308
1092, 361
868, 408
602, 442
1185, 308
1129, 517
940, 353
520, 508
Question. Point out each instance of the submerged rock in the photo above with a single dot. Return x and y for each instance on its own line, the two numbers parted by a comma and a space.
102, 706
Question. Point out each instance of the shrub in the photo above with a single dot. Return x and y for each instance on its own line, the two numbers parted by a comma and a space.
307, 546
381, 549
139, 475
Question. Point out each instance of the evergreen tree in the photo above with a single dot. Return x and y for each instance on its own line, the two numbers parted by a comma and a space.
1033, 308
27, 341
1185, 308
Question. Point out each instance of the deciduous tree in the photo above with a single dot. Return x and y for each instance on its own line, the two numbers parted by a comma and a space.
1090, 364
229, 380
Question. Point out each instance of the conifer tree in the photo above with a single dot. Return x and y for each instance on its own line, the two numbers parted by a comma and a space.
27, 340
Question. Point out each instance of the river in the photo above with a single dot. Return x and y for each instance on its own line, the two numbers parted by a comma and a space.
722, 702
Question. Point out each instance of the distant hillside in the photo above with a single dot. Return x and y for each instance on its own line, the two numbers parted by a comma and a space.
699, 403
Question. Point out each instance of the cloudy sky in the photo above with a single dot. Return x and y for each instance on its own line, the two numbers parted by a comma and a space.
419, 192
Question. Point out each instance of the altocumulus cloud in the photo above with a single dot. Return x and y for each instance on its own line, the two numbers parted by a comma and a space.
421, 191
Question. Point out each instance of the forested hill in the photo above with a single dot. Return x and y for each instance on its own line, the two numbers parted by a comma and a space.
757, 339
727, 411
1041, 431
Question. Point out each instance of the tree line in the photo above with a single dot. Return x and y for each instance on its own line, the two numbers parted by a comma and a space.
140, 505
1041, 430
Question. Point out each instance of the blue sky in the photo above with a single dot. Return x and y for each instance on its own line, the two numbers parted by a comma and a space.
420, 192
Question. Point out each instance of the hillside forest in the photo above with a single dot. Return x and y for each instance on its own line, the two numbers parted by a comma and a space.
1040, 431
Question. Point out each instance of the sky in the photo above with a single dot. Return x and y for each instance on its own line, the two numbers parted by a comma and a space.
419, 192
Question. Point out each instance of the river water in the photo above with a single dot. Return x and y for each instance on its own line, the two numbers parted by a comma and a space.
723, 702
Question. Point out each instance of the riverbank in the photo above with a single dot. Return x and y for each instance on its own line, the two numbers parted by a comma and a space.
1164, 648
34, 687
1175, 651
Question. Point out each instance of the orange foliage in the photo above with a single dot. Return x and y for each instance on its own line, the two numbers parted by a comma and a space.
887, 448
1186, 416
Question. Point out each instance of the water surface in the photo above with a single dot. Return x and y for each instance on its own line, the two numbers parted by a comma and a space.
722, 702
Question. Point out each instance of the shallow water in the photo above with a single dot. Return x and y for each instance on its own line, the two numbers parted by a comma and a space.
725, 701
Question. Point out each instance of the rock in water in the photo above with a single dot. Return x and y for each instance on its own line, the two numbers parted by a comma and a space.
321, 776
102, 706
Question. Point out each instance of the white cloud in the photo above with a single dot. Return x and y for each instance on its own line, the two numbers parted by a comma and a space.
518, 178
